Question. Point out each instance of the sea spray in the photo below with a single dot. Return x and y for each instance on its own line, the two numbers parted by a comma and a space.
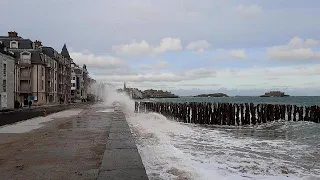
173, 150
112, 96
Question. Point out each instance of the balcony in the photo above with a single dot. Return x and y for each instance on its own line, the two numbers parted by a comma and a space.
25, 76
48, 64
25, 89
49, 89
25, 63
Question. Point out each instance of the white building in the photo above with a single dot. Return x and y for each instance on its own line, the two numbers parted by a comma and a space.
7, 62
79, 83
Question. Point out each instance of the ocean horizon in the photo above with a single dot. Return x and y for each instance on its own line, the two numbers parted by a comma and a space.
293, 100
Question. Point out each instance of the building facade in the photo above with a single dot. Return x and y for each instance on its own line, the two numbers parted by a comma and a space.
41, 74
80, 82
7, 63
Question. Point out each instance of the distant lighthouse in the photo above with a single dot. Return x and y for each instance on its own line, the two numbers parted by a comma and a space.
124, 86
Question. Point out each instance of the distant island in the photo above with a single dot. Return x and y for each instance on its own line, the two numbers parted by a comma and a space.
212, 95
274, 94
136, 93
152, 93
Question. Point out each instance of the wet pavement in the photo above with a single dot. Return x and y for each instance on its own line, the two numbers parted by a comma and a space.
94, 144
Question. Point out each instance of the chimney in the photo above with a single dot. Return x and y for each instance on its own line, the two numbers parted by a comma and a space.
38, 43
12, 34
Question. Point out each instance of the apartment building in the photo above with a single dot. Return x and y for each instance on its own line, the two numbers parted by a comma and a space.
79, 82
41, 73
7, 63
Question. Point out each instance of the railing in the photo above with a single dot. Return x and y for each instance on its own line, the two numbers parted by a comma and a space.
25, 76
25, 89
24, 62
230, 114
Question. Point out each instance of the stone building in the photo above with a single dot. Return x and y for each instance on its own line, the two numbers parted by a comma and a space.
80, 82
41, 73
7, 63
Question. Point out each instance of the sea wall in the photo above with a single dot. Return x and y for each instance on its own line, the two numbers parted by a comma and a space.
229, 113
24, 114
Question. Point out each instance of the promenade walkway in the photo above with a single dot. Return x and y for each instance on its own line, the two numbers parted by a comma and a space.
94, 144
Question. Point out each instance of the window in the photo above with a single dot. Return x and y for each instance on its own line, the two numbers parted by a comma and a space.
73, 78
42, 85
13, 44
42, 71
26, 55
4, 70
73, 84
55, 87
4, 84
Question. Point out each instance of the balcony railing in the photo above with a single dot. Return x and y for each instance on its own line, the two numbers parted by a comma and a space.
24, 62
25, 76
25, 89
49, 89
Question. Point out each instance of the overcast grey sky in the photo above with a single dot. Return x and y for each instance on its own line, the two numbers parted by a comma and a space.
188, 46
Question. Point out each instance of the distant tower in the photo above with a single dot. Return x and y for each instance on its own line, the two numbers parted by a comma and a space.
124, 86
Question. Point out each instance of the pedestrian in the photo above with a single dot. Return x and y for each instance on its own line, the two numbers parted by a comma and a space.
30, 104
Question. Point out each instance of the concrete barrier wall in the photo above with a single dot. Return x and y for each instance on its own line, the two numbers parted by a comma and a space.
24, 114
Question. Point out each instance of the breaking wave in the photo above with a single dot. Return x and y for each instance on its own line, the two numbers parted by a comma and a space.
174, 150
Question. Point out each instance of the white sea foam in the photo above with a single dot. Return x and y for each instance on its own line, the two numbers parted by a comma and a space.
173, 150
35, 123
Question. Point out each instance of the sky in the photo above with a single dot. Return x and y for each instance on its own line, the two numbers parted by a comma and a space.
238, 47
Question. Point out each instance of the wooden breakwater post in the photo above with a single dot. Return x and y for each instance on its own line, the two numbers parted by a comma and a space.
229, 113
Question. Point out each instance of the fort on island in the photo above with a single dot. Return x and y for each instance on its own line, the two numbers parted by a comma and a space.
274, 94
135, 93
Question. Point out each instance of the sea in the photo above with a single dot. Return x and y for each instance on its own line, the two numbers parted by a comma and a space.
294, 100
276, 150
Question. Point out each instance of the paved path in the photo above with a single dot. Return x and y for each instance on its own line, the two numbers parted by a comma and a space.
91, 145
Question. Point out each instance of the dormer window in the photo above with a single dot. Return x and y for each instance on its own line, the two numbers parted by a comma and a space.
14, 44
26, 55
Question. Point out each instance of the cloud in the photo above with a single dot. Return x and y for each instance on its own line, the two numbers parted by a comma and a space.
223, 54
161, 77
198, 46
297, 49
249, 10
94, 61
238, 54
118, 71
160, 65
144, 49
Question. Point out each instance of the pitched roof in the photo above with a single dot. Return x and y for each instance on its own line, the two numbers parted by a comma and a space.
35, 57
65, 52
23, 43
49, 51
4, 51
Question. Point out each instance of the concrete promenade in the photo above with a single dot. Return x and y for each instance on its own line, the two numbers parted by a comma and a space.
24, 113
95, 144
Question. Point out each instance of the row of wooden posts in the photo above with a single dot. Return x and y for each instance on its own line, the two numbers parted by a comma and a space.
229, 113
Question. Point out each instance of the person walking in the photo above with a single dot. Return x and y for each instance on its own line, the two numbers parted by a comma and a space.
30, 103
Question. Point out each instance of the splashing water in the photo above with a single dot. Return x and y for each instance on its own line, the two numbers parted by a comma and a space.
173, 150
